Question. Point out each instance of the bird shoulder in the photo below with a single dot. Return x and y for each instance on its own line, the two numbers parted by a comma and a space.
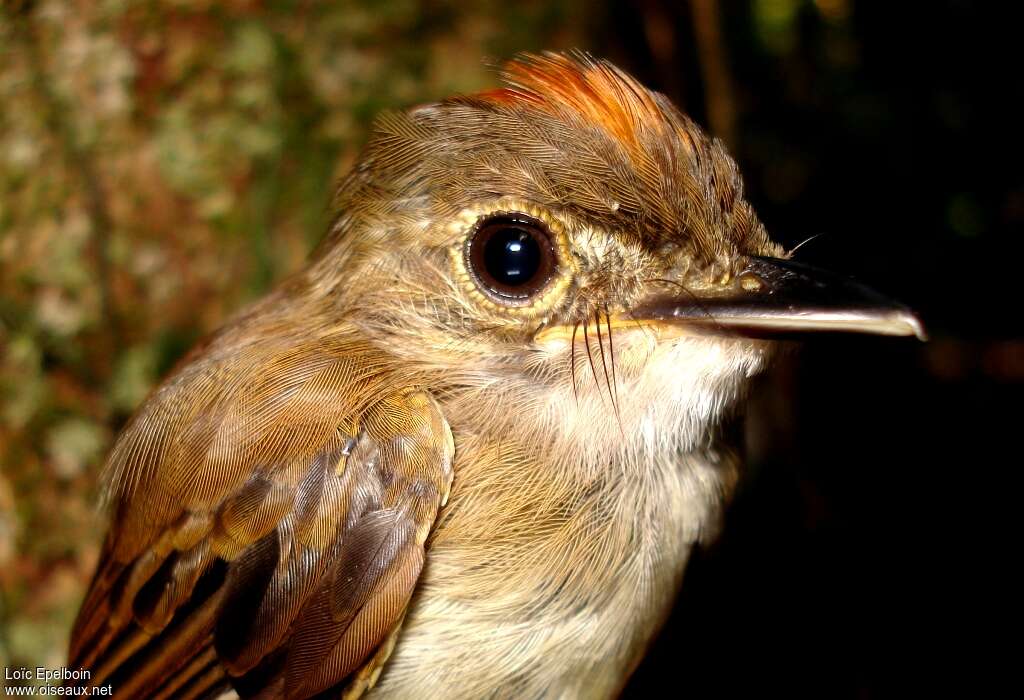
270, 507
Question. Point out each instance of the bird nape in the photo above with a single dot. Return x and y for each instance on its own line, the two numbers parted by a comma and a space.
465, 451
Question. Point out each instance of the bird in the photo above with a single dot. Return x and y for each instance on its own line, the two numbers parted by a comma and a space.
466, 451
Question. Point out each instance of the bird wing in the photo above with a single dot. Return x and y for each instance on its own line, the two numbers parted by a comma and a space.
269, 527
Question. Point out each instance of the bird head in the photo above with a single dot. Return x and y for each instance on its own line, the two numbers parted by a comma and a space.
577, 242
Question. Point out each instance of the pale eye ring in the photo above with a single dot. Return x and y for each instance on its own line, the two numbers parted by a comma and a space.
511, 257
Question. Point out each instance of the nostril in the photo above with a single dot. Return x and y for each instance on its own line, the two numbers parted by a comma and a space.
750, 282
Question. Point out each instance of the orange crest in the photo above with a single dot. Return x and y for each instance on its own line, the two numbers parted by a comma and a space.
594, 91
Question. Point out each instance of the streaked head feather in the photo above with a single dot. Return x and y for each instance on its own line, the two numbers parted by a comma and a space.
593, 90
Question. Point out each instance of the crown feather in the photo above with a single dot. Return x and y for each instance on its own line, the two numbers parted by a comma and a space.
592, 90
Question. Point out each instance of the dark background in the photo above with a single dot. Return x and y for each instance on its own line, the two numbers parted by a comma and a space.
160, 165
865, 554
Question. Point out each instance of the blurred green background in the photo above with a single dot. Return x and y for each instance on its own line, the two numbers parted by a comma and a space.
163, 163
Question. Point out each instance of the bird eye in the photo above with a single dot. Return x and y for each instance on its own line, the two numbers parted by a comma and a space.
511, 257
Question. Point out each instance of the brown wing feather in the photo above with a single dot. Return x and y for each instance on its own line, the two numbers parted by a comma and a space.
271, 510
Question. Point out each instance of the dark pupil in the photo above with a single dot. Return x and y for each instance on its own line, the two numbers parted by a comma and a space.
512, 256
